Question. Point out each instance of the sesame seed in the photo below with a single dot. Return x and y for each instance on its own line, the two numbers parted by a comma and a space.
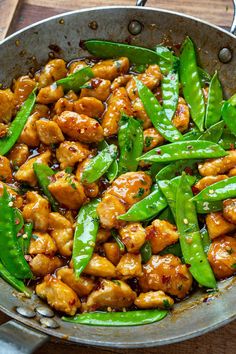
25, 236
211, 191
185, 221
109, 309
10, 204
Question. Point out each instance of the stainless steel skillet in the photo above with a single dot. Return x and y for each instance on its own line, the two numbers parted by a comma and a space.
61, 35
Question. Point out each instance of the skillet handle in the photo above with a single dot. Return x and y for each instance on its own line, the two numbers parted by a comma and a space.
16, 338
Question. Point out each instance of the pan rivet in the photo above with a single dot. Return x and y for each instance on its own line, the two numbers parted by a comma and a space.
93, 25
135, 27
225, 55
25, 311
48, 323
44, 311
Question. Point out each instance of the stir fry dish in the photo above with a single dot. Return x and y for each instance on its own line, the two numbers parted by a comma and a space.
117, 183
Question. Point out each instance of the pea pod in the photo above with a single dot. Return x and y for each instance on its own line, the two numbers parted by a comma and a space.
99, 164
173, 249
19, 220
227, 140
130, 140
137, 55
24, 239
190, 237
213, 133
184, 150
167, 60
85, 236
43, 174
191, 84
17, 125
146, 251
204, 207
167, 215
118, 241
170, 93
206, 241
156, 113
218, 191
229, 116
176, 168
76, 80
192, 134
14, 282
118, 319
10, 251
214, 102
204, 77
112, 171
146, 208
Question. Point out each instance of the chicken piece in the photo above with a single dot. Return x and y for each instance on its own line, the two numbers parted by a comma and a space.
42, 243
232, 172
63, 104
131, 187
102, 235
229, 210
49, 132
71, 152
129, 266
222, 256
161, 234
58, 295
26, 171
112, 252
208, 181
18, 155
217, 225
67, 190
151, 78
214, 167
6, 105
50, 94
100, 267
62, 232
118, 103
42, 265
36, 210
97, 88
54, 70
17, 199
111, 68
120, 81
154, 299
115, 294
90, 106
29, 134
108, 209
23, 86
76, 66
5, 169
91, 189
182, 116
80, 127
133, 236
82, 285
140, 114
168, 274
3, 130
151, 139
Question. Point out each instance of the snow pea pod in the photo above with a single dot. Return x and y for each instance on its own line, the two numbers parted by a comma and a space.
206, 241
118, 319
190, 237
26, 237
146, 252
146, 208
204, 77
99, 164
14, 282
76, 80
213, 133
118, 241
17, 124
112, 171
137, 55
19, 220
130, 140
176, 168
204, 207
227, 140
229, 116
167, 61
191, 84
170, 93
85, 236
218, 191
214, 102
11, 254
184, 150
43, 174
156, 113
192, 134
167, 215
173, 249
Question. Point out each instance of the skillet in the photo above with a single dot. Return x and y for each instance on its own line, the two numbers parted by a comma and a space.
60, 36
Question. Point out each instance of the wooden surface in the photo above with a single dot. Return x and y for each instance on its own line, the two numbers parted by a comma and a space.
18, 14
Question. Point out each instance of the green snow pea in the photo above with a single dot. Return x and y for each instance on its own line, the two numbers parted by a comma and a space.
130, 141
206, 241
14, 282
99, 164
227, 140
229, 116
156, 113
190, 237
173, 249
167, 61
176, 168
184, 150
146, 251
118, 241
85, 236
213, 133
170, 93
17, 125
118, 319
11, 254
214, 102
204, 77
112, 171
167, 215
26, 237
76, 80
43, 174
192, 134
191, 84
204, 207
218, 191
19, 220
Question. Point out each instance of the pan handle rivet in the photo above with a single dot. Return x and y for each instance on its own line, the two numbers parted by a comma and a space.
225, 55
93, 25
135, 27
44, 311
48, 323
25, 312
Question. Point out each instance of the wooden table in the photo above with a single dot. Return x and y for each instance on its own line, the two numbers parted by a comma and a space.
16, 14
